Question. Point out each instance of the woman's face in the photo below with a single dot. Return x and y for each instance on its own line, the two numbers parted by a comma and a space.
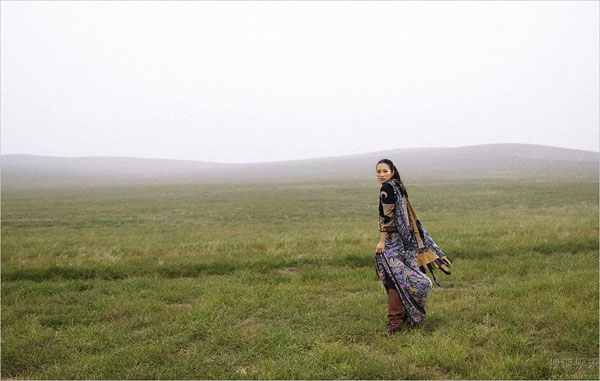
384, 173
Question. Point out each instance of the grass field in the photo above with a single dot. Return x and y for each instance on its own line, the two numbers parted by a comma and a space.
277, 281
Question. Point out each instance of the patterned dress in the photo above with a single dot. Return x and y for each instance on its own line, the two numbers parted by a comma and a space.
397, 265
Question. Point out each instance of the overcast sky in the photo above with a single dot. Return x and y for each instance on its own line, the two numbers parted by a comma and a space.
268, 81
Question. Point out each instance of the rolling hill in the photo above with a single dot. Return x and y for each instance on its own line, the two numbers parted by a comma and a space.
477, 161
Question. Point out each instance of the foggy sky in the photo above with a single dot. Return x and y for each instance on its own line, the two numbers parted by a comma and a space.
267, 81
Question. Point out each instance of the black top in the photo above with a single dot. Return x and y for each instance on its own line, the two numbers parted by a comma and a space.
387, 205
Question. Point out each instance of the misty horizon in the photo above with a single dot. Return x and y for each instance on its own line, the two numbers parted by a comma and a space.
469, 162
302, 159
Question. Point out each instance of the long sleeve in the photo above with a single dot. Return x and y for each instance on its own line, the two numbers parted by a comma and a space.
387, 205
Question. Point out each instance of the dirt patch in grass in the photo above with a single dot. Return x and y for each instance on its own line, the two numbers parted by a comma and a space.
440, 374
250, 327
287, 270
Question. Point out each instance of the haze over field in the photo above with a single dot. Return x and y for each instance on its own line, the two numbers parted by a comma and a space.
470, 161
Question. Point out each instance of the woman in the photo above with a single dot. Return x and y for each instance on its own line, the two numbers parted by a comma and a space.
403, 239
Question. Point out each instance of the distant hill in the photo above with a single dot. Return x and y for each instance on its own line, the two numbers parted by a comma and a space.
488, 160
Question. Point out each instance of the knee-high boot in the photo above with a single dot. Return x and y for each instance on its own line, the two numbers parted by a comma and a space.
396, 313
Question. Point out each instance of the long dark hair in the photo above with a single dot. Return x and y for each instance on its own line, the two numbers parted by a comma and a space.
396, 174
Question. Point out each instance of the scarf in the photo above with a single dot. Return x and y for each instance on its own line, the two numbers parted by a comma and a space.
426, 257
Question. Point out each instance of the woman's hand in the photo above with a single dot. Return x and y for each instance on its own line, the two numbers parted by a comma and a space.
380, 247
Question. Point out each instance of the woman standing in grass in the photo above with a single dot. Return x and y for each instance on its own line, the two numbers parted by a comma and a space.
403, 252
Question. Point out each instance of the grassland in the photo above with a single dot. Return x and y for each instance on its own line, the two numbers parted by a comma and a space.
277, 281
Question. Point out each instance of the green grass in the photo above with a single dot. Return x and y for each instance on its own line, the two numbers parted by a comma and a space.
277, 281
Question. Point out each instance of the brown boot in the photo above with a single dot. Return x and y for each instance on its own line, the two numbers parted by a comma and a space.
396, 313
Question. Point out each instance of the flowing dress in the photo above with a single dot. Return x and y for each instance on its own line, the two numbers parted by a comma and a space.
397, 265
